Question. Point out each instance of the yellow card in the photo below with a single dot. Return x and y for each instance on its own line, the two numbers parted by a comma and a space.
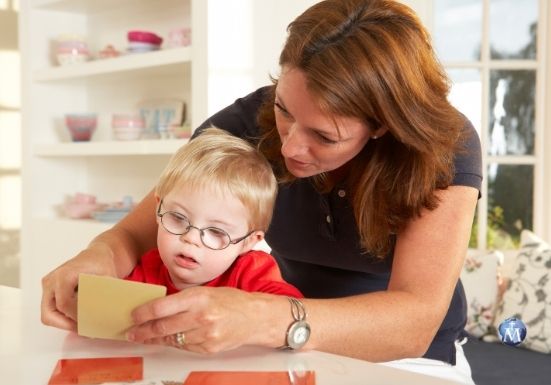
105, 304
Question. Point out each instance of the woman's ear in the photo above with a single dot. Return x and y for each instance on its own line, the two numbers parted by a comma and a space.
379, 132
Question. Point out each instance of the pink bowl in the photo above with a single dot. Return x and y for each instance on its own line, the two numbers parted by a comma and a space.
79, 210
81, 126
127, 120
144, 37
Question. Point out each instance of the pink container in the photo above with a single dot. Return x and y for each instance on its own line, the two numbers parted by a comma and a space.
144, 37
179, 37
81, 126
71, 49
127, 120
127, 126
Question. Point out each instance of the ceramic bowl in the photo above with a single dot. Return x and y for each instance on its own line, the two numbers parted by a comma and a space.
64, 59
71, 49
81, 126
127, 126
144, 37
127, 133
179, 37
76, 210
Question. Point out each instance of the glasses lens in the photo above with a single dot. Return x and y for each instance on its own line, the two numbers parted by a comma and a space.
215, 238
175, 223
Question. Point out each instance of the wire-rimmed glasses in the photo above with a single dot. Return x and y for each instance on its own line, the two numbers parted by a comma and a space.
212, 237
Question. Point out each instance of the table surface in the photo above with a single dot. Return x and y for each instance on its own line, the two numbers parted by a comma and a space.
30, 350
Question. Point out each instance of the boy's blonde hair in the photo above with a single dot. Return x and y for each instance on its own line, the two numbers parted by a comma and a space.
219, 160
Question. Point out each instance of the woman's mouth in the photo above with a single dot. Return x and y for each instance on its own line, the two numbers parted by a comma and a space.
296, 163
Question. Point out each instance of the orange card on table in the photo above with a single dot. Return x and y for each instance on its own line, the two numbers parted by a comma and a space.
251, 378
71, 371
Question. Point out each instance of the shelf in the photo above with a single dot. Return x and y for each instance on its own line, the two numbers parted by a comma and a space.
89, 225
125, 63
112, 148
82, 6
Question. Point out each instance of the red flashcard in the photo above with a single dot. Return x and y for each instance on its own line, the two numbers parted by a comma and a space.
71, 371
251, 378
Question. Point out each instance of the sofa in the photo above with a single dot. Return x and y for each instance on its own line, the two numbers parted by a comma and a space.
504, 284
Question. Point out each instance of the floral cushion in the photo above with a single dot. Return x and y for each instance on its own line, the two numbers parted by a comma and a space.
527, 295
479, 278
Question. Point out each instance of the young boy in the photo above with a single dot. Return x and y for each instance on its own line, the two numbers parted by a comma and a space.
215, 201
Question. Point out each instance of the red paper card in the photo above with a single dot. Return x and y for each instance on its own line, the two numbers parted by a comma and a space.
71, 371
251, 378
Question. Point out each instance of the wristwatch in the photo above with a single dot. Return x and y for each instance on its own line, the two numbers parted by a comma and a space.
298, 332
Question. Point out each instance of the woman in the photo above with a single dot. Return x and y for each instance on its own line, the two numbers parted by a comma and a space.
380, 177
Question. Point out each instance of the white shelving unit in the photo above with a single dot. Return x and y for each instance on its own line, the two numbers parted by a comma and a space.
110, 148
151, 61
235, 46
54, 167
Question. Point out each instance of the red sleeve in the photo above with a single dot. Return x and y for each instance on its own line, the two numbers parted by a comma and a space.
149, 269
256, 271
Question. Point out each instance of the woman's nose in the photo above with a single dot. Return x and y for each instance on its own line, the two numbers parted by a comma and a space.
294, 142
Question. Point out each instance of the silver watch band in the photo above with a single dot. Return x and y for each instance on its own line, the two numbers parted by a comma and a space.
299, 324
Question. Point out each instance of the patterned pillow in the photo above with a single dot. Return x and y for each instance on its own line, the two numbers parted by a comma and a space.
479, 278
528, 293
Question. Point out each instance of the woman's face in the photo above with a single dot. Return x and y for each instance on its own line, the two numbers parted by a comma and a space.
311, 142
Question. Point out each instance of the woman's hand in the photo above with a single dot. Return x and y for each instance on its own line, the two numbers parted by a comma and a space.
211, 319
59, 287
113, 253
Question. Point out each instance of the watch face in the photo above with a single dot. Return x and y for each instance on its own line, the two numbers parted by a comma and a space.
301, 335
298, 334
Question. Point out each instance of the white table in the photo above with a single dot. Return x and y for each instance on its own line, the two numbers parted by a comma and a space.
24, 340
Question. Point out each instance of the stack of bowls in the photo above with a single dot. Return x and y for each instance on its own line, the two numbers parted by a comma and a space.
127, 126
81, 126
80, 206
71, 49
143, 41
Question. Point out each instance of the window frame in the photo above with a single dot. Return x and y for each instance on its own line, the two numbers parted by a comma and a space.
540, 160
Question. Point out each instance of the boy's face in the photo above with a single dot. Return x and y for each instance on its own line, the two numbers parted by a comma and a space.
188, 260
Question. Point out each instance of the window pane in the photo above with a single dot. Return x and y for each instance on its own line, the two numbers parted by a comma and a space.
10, 202
10, 140
473, 240
466, 94
512, 112
458, 29
510, 203
513, 29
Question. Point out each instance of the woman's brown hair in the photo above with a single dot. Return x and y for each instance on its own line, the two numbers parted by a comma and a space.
373, 60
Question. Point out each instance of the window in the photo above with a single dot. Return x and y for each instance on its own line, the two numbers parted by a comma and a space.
10, 145
493, 51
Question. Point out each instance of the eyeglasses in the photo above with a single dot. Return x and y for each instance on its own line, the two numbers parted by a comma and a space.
212, 237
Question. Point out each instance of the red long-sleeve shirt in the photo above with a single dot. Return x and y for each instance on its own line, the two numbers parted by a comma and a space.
252, 271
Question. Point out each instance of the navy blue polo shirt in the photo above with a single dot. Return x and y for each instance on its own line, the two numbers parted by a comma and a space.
314, 238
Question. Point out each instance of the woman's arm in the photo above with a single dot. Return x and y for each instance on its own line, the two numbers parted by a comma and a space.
113, 252
397, 323
402, 321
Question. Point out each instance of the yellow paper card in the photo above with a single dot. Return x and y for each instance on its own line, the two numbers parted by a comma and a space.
105, 304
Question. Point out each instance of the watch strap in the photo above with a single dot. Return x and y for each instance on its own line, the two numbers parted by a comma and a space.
298, 311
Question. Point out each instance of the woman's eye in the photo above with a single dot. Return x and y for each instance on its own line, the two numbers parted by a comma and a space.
325, 139
282, 110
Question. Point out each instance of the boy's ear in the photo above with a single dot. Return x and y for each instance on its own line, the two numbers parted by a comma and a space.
253, 239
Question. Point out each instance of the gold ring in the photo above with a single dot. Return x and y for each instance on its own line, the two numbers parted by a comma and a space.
179, 339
